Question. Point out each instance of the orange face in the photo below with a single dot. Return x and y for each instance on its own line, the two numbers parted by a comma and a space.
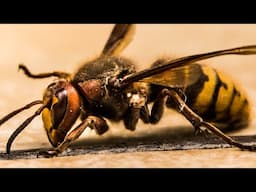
62, 110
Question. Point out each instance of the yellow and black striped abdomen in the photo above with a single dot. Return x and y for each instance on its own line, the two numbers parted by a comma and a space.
218, 99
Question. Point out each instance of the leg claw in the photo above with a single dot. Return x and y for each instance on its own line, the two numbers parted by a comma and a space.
202, 131
48, 154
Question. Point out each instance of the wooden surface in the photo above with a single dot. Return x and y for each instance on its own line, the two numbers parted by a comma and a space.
54, 47
128, 145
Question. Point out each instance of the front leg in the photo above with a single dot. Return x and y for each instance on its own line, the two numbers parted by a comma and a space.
93, 122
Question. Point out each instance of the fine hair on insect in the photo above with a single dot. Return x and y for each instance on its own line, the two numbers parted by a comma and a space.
109, 88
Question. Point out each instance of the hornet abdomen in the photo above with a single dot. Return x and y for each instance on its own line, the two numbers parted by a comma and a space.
218, 99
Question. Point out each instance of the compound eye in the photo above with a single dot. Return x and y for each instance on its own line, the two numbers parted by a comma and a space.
63, 108
59, 106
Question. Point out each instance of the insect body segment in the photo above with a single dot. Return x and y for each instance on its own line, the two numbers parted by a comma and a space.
109, 87
216, 98
92, 80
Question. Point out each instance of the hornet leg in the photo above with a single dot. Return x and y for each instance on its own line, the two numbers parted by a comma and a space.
157, 109
136, 109
93, 122
197, 121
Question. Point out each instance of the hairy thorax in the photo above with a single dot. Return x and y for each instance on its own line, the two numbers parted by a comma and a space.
92, 80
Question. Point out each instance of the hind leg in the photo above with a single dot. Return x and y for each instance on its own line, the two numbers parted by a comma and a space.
198, 122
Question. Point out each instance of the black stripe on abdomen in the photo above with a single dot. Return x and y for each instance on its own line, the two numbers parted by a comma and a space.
195, 89
211, 111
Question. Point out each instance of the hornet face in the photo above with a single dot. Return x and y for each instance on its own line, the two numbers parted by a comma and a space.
62, 109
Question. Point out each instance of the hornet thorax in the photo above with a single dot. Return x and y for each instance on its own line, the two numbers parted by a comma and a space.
92, 80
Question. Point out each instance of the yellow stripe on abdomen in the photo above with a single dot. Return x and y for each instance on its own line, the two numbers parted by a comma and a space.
225, 96
240, 106
204, 98
216, 98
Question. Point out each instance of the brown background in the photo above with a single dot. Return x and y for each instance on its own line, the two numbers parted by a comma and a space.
51, 47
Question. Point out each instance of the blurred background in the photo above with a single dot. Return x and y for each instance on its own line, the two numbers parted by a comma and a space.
64, 47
